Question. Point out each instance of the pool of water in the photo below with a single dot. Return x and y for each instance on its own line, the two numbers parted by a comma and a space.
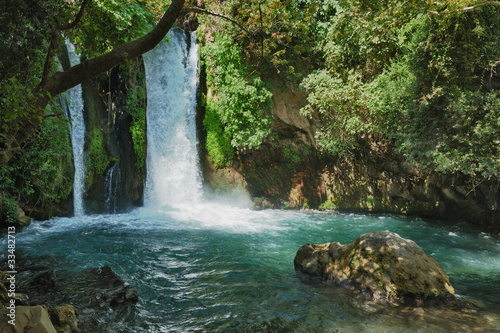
216, 268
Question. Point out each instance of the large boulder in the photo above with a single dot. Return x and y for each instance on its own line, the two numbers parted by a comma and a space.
380, 264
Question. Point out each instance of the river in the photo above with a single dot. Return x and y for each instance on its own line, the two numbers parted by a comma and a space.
213, 268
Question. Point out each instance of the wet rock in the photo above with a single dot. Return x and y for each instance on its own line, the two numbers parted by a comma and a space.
32, 319
380, 264
46, 279
64, 319
109, 287
21, 299
98, 295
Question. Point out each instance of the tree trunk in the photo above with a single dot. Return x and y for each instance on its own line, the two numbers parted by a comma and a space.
62, 81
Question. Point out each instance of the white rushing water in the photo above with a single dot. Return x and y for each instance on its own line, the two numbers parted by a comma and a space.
173, 175
75, 107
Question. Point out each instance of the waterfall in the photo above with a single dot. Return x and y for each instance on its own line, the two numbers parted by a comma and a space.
173, 175
112, 185
75, 111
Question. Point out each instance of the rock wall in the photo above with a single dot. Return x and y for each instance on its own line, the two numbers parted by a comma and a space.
377, 179
115, 172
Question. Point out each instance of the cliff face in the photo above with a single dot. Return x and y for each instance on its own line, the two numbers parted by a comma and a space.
115, 148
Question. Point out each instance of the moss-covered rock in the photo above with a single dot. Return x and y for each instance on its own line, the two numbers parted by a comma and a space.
380, 264
11, 214
63, 318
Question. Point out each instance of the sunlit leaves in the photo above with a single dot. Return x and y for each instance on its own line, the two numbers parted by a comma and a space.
244, 101
279, 36
426, 74
110, 23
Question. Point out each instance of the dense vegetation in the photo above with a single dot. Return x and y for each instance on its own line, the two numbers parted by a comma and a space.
35, 151
422, 79
420, 75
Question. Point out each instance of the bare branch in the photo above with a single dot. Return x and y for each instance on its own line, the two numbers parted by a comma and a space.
203, 11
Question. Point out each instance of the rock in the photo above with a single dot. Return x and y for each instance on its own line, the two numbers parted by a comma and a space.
64, 319
32, 319
4, 299
46, 279
110, 287
22, 219
381, 264
21, 299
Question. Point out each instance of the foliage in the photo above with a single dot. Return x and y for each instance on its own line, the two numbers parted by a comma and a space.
42, 174
339, 107
278, 36
110, 23
218, 142
8, 211
96, 158
244, 101
421, 79
26, 27
136, 107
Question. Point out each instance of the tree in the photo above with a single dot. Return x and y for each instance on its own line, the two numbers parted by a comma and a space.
24, 123
421, 75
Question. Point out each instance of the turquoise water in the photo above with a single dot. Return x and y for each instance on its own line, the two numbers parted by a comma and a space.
215, 268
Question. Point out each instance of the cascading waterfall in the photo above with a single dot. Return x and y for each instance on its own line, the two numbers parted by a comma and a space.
75, 108
173, 175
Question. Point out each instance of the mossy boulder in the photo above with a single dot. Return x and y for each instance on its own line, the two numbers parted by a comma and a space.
380, 264
63, 318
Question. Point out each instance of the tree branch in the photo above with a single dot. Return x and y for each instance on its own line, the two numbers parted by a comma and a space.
53, 42
203, 11
62, 81
77, 18
50, 56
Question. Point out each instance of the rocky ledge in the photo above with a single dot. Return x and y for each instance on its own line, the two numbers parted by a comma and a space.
380, 264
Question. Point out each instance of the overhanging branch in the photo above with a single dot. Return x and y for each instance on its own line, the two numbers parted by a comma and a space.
77, 18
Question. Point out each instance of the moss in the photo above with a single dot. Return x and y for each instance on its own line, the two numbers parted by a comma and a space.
138, 131
218, 141
136, 107
328, 204
97, 157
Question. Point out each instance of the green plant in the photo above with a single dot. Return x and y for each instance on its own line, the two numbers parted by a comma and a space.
244, 101
218, 142
8, 211
97, 159
41, 175
137, 109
